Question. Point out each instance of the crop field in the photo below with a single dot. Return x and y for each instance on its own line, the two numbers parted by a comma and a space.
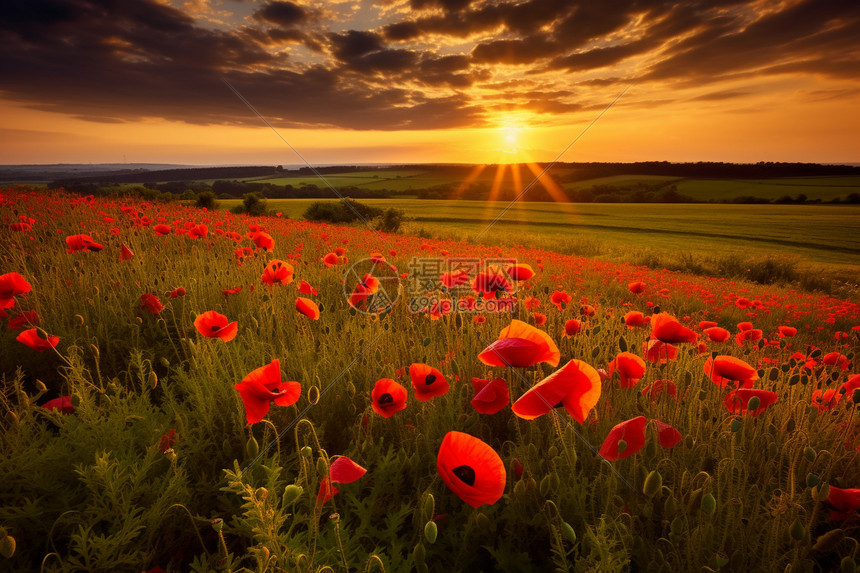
192, 390
818, 236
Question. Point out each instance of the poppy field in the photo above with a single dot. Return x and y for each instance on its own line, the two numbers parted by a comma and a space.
186, 390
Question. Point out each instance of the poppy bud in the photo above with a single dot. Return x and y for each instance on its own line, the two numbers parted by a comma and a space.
772, 450
552, 452
252, 448
753, 403
41, 334
519, 488
797, 531
165, 362
153, 380
568, 532
821, 492
544, 486
291, 494
218, 524
847, 565
677, 526
856, 396
322, 467
650, 449
828, 542
670, 506
622, 445
483, 522
7, 547
261, 493
429, 507
737, 424
647, 510
812, 480
653, 484
419, 555
307, 452
709, 504
430, 531
809, 453
689, 442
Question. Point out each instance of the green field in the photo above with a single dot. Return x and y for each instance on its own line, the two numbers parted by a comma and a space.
815, 234
824, 188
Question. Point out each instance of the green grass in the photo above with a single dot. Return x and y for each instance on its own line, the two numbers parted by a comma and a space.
824, 188
822, 236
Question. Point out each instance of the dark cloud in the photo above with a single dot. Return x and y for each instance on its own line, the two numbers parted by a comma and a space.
284, 14
122, 61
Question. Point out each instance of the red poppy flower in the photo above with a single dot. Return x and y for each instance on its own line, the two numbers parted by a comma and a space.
490, 396
388, 397
576, 386
636, 287
26, 318
161, 230
151, 303
843, 504
531, 303
825, 399
31, 338
520, 272
427, 382
213, 325
634, 319
520, 345
560, 299
706, 324
228, 291
632, 432
454, 278
786, 331
359, 296
264, 385
177, 292
125, 253
748, 335
743, 303
306, 288
491, 281
667, 436
198, 232
743, 326
572, 327
342, 470
540, 319
836, 359
263, 241
82, 243
330, 260
21, 227
471, 469
308, 308
659, 352
167, 440
63, 405
659, 387
666, 328
11, 285
717, 334
277, 272
736, 401
630, 368
849, 387
722, 369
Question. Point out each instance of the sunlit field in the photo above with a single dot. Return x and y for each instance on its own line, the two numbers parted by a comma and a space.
190, 390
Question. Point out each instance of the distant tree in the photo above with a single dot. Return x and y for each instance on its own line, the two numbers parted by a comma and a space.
206, 200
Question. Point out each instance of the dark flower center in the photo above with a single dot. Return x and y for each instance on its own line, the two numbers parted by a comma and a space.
215, 328
560, 404
386, 399
465, 473
429, 379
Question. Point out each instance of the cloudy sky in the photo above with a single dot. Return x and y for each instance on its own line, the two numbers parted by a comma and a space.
429, 80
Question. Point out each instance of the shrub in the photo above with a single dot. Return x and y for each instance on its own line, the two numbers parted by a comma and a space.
206, 200
345, 211
391, 220
253, 204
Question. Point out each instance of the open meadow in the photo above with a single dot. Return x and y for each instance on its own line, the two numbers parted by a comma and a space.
195, 390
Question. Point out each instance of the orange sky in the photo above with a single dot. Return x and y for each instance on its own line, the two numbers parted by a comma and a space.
431, 81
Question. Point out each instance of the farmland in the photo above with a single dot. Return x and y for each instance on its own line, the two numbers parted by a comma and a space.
202, 391
817, 236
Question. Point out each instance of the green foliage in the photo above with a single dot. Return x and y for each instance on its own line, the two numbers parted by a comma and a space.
253, 204
206, 200
344, 211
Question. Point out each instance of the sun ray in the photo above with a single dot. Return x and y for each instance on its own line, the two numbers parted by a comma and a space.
494, 190
555, 191
474, 174
518, 180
